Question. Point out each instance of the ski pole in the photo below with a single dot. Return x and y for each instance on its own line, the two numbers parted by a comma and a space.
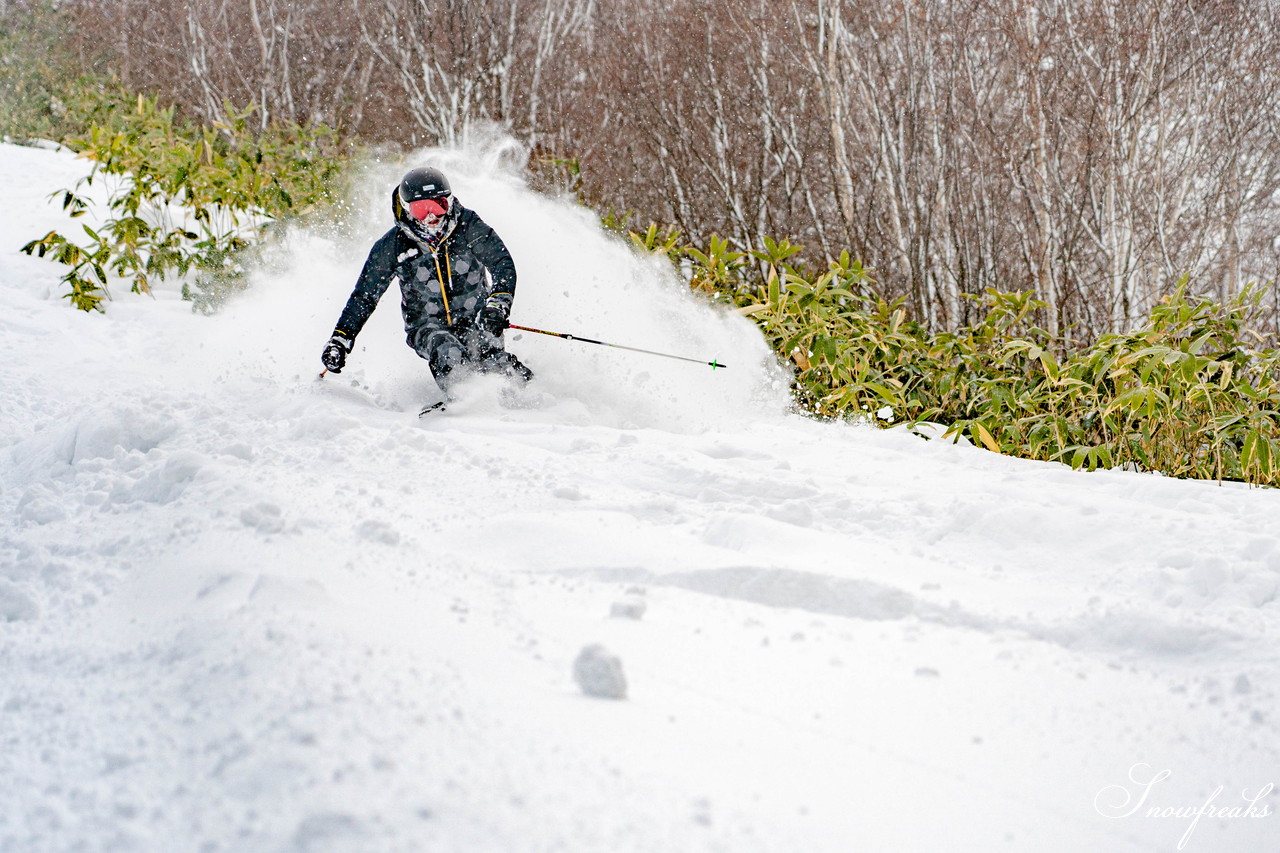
714, 364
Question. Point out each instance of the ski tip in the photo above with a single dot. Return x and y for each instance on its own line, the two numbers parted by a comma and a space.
438, 406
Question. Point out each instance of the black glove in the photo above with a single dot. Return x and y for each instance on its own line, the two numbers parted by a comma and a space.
335, 352
493, 317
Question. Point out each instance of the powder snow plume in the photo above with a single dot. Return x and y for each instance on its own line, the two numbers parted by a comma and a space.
573, 277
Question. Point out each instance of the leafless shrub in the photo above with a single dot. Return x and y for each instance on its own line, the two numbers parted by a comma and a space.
1092, 151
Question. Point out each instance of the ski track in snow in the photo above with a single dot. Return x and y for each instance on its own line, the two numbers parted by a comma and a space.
243, 609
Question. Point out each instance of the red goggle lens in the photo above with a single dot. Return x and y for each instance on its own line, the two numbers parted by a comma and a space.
425, 207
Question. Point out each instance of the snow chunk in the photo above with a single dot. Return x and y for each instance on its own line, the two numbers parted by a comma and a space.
37, 506
264, 517
378, 531
798, 513
327, 831
99, 436
599, 673
166, 483
16, 605
630, 606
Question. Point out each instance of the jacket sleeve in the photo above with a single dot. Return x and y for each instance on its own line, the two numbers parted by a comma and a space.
488, 247
374, 280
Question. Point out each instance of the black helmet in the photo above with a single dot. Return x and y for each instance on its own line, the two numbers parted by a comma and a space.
424, 183
423, 204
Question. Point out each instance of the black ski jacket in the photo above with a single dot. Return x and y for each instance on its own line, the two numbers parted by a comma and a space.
468, 248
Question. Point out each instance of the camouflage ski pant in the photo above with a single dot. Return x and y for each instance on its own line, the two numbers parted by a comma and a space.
456, 353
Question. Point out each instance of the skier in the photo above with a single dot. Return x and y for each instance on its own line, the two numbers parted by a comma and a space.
457, 281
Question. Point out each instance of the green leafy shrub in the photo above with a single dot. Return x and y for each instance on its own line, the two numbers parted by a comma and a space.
1192, 392
182, 197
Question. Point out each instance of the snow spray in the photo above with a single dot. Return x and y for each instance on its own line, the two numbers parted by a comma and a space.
572, 273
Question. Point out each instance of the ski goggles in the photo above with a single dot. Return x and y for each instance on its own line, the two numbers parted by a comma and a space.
424, 207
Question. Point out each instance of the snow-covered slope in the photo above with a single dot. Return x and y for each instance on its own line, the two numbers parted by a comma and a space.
245, 610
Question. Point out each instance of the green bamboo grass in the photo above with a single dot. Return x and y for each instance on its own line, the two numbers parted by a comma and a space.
1192, 392
182, 197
